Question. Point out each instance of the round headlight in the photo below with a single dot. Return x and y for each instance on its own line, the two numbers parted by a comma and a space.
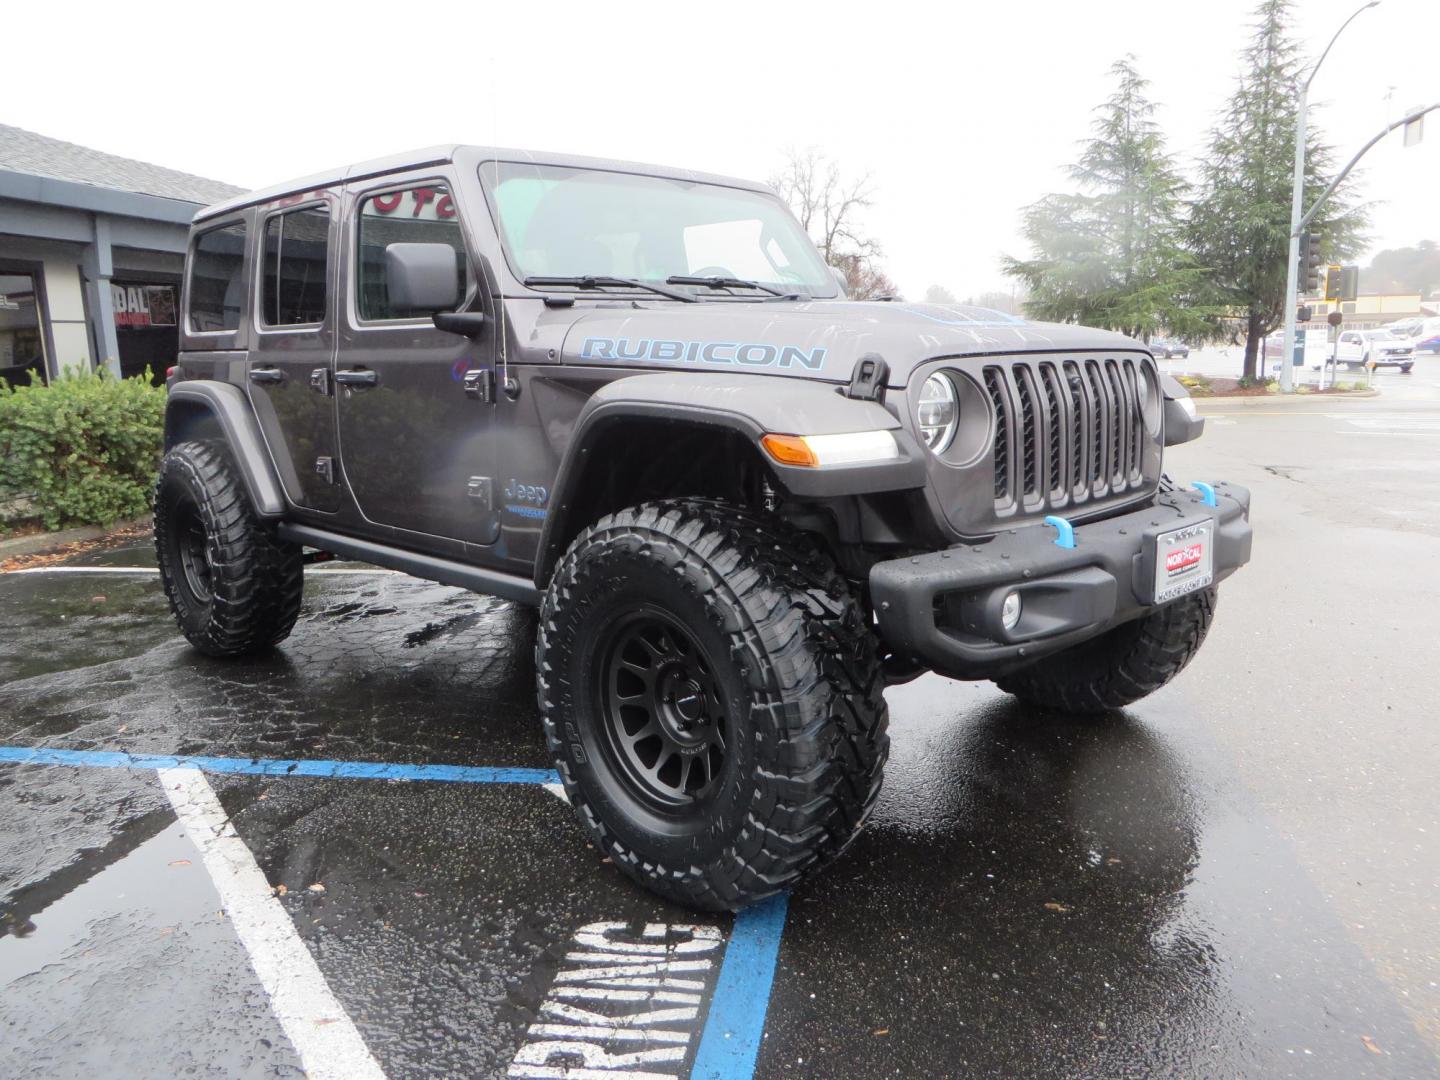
937, 412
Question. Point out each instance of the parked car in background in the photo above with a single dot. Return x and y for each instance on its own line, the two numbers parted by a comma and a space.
1424, 334
1383, 348
1169, 349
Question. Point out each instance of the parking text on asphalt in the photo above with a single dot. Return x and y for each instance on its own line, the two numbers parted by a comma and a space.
623, 1005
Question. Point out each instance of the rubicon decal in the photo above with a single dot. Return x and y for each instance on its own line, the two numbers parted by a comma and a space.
747, 354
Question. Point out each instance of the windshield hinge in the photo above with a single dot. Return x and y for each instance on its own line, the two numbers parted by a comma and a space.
867, 380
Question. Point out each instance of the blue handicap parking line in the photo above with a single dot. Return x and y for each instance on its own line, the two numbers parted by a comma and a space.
348, 770
733, 1030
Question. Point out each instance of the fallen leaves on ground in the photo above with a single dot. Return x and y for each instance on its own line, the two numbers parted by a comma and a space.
1053, 906
124, 535
1371, 1044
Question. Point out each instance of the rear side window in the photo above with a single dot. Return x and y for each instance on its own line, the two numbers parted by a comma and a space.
296, 248
424, 214
216, 293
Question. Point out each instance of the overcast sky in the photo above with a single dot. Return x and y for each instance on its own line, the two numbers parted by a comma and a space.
962, 113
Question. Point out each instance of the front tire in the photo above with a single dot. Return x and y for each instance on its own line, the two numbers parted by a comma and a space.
233, 586
1122, 665
712, 697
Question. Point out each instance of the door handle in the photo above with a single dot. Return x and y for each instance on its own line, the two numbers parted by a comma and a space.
266, 375
357, 378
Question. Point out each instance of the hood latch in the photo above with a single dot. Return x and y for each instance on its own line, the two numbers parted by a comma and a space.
868, 379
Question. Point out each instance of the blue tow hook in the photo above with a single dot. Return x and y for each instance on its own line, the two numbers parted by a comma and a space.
1064, 531
1205, 490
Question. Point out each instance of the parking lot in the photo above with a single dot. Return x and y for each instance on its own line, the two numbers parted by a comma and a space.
1235, 877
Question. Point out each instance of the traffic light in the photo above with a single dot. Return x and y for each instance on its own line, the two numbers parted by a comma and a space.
1332, 282
1349, 282
1309, 263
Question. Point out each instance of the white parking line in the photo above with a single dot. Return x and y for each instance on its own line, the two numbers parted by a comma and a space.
1397, 434
324, 1037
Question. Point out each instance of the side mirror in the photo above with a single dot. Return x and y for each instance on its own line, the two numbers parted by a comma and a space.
1182, 423
421, 277
841, 280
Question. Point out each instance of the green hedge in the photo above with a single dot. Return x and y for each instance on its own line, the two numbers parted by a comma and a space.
81, 451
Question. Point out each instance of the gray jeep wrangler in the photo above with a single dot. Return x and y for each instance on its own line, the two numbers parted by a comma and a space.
637, 399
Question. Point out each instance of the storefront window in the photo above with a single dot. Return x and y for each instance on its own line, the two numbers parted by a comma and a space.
22, 346
145, 329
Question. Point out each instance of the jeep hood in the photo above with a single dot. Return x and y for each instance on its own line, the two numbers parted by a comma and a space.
813, 340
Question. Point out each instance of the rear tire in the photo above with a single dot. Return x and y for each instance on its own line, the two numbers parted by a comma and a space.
712, 697
1122, 665
233, 586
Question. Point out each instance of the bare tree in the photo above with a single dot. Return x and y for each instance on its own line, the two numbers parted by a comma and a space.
938, 294
864, 279
829, 205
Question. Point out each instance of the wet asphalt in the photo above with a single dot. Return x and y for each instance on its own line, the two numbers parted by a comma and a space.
1236, 877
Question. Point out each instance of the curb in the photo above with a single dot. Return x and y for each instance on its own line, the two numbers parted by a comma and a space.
30, 545
1252, 401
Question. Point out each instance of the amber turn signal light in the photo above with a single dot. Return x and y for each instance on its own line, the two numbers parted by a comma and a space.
790, 450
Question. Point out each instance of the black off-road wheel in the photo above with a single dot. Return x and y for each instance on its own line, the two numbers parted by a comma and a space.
712, 698
1122, 665
234, 587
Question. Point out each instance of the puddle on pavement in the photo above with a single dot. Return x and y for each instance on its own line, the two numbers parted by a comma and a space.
136, 965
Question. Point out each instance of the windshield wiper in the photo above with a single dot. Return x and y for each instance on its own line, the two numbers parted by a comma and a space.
600, 281
729, 283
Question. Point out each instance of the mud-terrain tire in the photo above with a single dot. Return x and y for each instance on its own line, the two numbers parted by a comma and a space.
233, 586
778, 665
1122, 665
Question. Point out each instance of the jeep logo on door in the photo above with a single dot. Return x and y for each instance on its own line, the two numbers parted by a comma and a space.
753, 354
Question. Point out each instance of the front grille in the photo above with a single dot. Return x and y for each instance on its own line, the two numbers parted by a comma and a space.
1067, 432
995, 387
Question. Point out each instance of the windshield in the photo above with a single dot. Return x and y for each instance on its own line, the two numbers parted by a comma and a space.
566, 222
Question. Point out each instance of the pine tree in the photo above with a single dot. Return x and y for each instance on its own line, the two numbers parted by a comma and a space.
1112, 255
1240, 225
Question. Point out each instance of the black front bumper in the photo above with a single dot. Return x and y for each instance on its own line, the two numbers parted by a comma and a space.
942, 609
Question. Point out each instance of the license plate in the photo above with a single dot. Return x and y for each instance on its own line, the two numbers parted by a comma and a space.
1184, 560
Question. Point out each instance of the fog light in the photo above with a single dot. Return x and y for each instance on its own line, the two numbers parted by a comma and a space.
1010, 611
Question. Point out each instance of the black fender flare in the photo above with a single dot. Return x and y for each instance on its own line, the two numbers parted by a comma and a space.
229, 408
751, 407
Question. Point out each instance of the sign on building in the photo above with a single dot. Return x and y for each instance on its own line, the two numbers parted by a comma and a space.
139, 306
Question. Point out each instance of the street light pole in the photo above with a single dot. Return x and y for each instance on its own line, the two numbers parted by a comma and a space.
1297, 198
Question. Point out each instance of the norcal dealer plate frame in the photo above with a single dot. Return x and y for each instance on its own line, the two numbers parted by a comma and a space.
1181, 560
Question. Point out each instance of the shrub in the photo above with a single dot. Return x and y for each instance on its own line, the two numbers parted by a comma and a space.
81, 451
